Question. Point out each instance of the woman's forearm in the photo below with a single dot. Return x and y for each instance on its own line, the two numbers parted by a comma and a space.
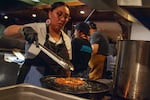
13, 31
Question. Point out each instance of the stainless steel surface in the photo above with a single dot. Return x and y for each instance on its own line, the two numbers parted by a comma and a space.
65, 64
136, 3
8, 72
30, 92
133, 70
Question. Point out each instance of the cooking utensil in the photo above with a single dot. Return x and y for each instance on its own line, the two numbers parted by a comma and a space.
62, 62
89, 15
90, 86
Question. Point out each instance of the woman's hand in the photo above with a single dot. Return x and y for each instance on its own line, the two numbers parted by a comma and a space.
30, 34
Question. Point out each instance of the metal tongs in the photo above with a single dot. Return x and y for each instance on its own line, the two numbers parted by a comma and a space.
67, 65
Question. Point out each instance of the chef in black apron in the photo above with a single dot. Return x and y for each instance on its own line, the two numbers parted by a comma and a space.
43, 65
37, 64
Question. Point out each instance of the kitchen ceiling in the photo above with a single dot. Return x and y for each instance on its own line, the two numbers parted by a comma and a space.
100, 6
20, 11
133, 12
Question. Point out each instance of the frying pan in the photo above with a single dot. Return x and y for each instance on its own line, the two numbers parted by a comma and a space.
90, 86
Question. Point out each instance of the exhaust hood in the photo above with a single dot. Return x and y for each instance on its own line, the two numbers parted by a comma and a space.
132, 10
136, 3
139, 9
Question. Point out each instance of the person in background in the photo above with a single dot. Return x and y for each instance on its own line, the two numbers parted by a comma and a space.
37, 64
100, 50
111, 58
81, 50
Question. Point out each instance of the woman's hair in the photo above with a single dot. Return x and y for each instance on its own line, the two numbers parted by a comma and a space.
58, 4
83, 27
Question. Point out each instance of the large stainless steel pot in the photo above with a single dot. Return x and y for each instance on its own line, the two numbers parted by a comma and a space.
132, 74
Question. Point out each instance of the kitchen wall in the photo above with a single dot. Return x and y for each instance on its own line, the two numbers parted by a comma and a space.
111, 29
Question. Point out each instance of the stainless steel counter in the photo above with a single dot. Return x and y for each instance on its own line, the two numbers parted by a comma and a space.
30, 92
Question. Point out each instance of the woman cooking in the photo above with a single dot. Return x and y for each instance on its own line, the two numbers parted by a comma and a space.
51, 35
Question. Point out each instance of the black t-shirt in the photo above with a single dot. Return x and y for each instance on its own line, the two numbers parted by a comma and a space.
102, 40
81, 54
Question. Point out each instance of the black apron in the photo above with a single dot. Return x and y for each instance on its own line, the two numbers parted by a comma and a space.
50, 66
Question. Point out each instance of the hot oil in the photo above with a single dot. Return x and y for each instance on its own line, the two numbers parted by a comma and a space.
68, 73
